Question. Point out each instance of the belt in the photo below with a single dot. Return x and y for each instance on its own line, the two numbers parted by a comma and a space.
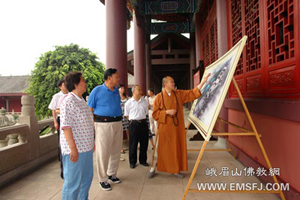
139, 121
107, 118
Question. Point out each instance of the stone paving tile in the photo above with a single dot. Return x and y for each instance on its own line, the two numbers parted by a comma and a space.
45, 182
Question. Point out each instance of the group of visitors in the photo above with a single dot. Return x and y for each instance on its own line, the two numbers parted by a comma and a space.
98, 126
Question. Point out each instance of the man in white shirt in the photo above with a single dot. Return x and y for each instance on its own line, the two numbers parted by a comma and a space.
55, 100
136, 110
56, 117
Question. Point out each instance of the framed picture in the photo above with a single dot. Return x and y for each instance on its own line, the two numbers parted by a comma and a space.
206, 109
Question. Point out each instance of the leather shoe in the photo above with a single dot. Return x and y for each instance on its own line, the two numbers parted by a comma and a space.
145, 164
132, 166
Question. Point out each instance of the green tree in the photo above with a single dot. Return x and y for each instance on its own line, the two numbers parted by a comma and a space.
54, 65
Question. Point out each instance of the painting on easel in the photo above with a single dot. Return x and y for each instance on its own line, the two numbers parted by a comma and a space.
206, 109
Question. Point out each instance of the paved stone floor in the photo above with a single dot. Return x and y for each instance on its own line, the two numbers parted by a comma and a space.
45, 182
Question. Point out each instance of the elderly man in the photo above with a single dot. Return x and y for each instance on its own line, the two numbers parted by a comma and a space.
136, 109
105, 102
168, 112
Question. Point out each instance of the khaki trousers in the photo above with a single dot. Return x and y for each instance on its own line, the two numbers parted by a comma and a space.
109, 139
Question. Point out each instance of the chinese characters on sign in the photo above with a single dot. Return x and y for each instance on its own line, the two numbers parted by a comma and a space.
247, 171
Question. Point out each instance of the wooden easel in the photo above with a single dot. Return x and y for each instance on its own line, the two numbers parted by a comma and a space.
244, 133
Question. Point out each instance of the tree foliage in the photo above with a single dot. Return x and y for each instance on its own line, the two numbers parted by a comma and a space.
54, 65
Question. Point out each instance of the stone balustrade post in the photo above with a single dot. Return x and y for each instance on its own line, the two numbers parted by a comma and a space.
28, 117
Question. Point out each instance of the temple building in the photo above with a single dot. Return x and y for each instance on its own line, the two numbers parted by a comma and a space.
180, 38
267, 73
11, 90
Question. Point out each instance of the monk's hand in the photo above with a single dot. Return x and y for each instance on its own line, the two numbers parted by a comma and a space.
206, 77
171, 112
203, 81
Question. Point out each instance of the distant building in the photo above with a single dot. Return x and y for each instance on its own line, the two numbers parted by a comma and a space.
11, 90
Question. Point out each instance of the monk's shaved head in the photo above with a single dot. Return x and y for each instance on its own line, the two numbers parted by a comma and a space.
166, 79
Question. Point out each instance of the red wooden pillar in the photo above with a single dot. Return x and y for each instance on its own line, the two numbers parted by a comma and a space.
221, 27
197, 38
222, 43
139, 52
192, 58
116, 38
148, 62
7, 104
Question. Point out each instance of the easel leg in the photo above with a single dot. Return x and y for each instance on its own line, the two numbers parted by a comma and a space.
227, 141
268, 163
256, 134
195, 169
229, 145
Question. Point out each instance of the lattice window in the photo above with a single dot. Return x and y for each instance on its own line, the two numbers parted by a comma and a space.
212, 43
253, 55
280, 30
236, 22
209, 37
236, 19
216, 42
206, 53
265, 51
203, 52
205, 10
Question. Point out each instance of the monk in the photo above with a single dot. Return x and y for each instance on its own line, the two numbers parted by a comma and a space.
168, 112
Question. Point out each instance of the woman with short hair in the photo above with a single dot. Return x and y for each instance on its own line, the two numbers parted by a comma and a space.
77, 139
124, 98
125, 121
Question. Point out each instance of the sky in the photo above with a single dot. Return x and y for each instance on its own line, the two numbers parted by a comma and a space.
32, 27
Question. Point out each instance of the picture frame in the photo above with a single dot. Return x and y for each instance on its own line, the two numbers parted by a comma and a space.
205, 110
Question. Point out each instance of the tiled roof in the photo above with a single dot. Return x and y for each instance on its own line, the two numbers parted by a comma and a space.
13, 84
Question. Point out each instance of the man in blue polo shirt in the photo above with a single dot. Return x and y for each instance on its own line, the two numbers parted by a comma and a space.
105, 102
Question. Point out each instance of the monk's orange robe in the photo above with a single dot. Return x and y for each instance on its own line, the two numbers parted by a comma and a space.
172, 150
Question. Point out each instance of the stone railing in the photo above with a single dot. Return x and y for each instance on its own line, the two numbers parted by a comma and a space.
13, 134
48, 141
45, 125
14, 113
24, 149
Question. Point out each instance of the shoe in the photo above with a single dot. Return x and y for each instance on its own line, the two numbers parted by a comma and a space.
123, 152
105, 186
122, 159
179, 175
114, 179
151, 173
145, 164
132, 166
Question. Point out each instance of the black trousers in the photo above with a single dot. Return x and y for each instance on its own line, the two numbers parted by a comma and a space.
138, 133
59, 149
